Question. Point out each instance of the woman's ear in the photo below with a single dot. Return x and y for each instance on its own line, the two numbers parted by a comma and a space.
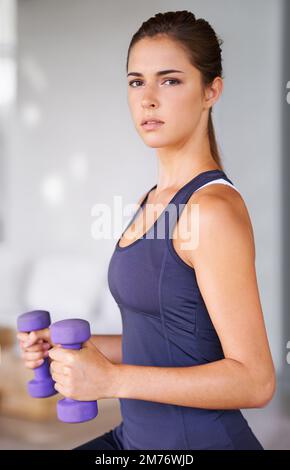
213, 92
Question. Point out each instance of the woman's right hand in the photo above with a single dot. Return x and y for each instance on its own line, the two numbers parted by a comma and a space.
34, 347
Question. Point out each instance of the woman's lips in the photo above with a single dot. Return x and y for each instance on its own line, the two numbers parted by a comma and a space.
152, 126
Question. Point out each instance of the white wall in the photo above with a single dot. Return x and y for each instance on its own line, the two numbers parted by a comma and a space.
72, 57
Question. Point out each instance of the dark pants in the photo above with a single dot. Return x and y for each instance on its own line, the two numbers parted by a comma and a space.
104, 442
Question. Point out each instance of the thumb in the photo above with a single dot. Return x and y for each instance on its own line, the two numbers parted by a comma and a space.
37, 336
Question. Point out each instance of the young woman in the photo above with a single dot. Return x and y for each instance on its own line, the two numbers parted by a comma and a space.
194, 348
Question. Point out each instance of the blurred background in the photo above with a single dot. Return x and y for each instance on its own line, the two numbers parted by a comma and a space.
67, 142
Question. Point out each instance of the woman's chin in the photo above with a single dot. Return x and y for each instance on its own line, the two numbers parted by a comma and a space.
154, 141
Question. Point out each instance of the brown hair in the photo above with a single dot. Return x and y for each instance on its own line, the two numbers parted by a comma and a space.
201, 44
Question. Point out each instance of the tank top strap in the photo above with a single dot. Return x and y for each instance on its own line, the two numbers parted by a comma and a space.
193, 185
136, 212
180, 199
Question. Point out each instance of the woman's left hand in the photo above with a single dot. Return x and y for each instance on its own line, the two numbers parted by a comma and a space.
84, 374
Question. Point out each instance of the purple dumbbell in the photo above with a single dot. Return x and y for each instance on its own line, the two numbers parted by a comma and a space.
71, 334
42, 385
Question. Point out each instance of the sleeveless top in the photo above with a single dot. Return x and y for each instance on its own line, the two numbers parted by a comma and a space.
165, 323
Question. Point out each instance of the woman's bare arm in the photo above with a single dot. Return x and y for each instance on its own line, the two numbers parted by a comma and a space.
110, 346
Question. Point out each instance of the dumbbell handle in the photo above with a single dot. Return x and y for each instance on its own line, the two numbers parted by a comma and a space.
42, 385
42, 371
71, 334
71, 346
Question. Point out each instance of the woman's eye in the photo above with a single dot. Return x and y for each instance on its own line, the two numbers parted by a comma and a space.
134, 81
173, 80
139, 81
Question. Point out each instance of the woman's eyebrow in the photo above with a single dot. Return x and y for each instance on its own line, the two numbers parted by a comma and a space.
161, 72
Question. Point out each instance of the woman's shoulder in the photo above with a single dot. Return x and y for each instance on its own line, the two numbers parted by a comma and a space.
219, 196
218, 210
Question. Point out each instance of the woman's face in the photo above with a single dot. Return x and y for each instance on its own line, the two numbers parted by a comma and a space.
176, 98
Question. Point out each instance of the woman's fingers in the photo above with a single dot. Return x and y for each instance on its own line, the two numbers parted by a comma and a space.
33, 356
35, 337
35, 347
59, 378
22, 336
33, 364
